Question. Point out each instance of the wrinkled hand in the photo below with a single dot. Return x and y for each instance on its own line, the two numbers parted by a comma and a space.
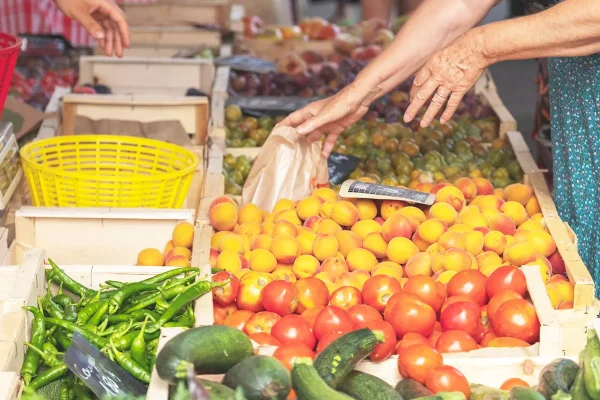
103, 19
447, 76
329, 116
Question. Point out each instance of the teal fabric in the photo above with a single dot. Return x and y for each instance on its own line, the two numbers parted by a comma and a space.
575, 121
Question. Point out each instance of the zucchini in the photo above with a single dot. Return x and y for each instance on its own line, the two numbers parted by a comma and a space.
210, 349
260, 377
578, 390
363, 386
342, 355
560, 395
525, 393
558, 375
481, 392
308, 385
410, 389
591, 362
216, 390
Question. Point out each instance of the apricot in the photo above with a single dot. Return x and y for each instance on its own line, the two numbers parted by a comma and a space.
389, 268
261, 241
262, 260
488, 262
474, 241
401, 249
267, 227
284, 227
313, 222
462, 228
566, 290
309, 207
212, 257
467, 187
376, 244
489, 213
491, 201
544, 266
229, 261
444, 212
521, 235
474, 219
179, 251
431, 230
214, 240
452, 196
365, 227
389, 207
495, 241
328, 226
414, 215
533, 206
553, 294
285, 249
438, 186
558, 278
421, 244
287, 215
334, 266
361, 259
348, 240
326, 209
519, 253
452, 239
457, 260
347, 279
531, 225
250, 230
231, 242
169, 246
499, 192
249, 213
565, 305
419, 264
306, 240
183, 235
502, 223
518, 192
150, 257
367, 209
515, 211
325, 246
510, 240
325, 193
483, 186
178, 261
444, 277
396, 225
361, 277
221, 199
344, 213
305, 266
558, 264
482, 229
223, 216
283, 273
542, 242
437, 262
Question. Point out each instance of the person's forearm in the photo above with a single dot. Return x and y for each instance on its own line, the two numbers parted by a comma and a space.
433, 25
381, 9
569, 29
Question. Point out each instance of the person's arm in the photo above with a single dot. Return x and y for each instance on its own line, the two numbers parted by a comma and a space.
569, 29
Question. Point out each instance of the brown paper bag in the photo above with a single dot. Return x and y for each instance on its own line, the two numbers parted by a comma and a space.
287, 167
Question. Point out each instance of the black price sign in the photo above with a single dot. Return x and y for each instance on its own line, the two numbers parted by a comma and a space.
247, 64
366, 190
340, 166
98, 372
270, 105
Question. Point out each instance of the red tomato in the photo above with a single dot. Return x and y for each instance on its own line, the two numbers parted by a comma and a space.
487, 338
517, 319
249, 293
385, 349
287, 353
332, 319
294, 328
470, 283
264, 339
447, 379
346, 297
220, 313
415, 361
455, 342
387, 313
462, 316
378, 289
410, 339
507, 342
280, 297
312, 293
455, 299
513, 382
361, 313
327, 339
428, 290
310, 315
238, 319
261, 322
506, 278
225, 295
499, 299
432, 340
412, 315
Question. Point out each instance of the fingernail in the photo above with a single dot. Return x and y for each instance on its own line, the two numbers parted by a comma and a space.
302, 130
423, 124
442, 121
99, 35
407, 117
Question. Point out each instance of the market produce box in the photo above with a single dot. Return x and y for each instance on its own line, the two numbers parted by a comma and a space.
10, 165
179, 12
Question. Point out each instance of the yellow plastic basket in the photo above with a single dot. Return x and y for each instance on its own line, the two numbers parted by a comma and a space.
107, 171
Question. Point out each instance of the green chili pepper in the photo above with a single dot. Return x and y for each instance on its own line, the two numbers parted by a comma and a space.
31, 361
50, 359
88, 312
63, 300
65, 390
71, 284
169, 274
48, 376
119, 318
152, 345
115, 284
52, 308
70, 313
81, 393
182, 323
129, 365
93, 338
62, 339
97, 317
125, 292
151, 300
49, 348
161, 305
124, 343
138, 348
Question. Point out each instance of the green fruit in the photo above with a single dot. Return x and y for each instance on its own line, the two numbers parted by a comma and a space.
496, 157
266, 123
260, 377
233, 113
249, 143
235, 143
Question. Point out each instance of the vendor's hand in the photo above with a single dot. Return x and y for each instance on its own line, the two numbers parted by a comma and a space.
330, 116
447, 76
103, 19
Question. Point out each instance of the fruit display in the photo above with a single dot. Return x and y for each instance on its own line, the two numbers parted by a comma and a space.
123, 320
236, 170
331, 374
177, 251
308, 29
9, 168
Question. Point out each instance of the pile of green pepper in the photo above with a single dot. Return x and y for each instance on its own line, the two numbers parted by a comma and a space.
121, 319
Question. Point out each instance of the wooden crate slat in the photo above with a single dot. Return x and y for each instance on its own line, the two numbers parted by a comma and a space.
177, 12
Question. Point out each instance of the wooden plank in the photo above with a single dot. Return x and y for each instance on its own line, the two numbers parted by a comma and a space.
271, 49
176, 13
51, 121
203, 308
10, 382
486, 88
219, 96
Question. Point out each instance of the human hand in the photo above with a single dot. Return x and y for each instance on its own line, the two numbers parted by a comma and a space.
103, 19
447, 76
330, 116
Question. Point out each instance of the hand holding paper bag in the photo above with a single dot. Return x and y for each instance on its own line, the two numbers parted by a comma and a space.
287, 167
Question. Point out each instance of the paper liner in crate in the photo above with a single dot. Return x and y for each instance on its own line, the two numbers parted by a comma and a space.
287, 167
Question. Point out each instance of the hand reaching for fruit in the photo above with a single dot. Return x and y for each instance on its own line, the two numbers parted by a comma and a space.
103, 19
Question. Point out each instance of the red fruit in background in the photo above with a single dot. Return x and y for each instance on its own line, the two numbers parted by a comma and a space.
463, 316
378, 289
395, 299
312, 293
332, 319
327, 339
361, 313
238, 319
428, 290
447, 379
220, 313
433, 338
506, 278
412, 315
261, 322
410, 339
280, 297
499, 299
225, 295
84, 90
416, 361
455, 299
264, 339
289, 352
455, 342
310, 315
470, 283
487, 338
294, 328
253, 25
346, 297
517, 319
385, 349
558, 264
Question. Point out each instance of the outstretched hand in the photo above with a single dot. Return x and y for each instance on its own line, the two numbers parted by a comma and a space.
103, 19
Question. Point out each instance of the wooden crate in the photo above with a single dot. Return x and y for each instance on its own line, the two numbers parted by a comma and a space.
147, 75
273, 49
486, 89
178, 13
10, 382
218, 97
